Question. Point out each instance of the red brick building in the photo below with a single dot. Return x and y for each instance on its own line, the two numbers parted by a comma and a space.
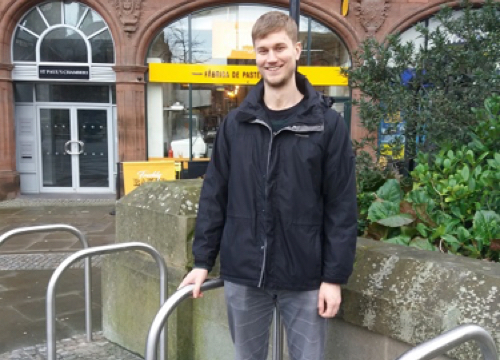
76, 95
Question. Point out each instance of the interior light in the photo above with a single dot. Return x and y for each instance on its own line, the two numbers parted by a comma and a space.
177, 106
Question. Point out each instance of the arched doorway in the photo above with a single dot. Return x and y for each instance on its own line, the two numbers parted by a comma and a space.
64, 93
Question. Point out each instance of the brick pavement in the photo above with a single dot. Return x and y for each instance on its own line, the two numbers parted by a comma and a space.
26, 264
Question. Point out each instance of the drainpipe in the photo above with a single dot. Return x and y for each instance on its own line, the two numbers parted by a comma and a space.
295, 11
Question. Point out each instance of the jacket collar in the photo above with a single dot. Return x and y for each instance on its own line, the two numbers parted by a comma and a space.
311, 112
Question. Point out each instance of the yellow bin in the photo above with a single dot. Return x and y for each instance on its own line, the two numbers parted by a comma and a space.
137, 173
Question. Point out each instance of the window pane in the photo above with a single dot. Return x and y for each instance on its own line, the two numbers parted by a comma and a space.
34, 22
73, 12
171, 45
72, 93
303, 31
326, 47
92, 23
24, 46
102, 48
23, 92
63, 45
210, 104
52, 12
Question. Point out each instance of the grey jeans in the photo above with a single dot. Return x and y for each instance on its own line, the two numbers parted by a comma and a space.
250, 312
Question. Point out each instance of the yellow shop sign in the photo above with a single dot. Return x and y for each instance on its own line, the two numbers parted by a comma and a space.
235, 74
138, 173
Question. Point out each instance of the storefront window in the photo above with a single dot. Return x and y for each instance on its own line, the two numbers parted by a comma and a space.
220, 37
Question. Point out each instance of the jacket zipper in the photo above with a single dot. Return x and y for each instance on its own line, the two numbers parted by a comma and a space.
261, 279
289, 128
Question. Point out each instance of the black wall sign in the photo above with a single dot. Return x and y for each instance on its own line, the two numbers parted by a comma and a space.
64, 72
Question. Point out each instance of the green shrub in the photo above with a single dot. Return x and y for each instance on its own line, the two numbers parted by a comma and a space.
454, 204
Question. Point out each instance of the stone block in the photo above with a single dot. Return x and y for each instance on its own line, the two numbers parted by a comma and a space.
347, 341
131, 299
162, 215
413, 295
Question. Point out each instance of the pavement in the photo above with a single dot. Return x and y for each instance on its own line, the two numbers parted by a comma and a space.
26, 265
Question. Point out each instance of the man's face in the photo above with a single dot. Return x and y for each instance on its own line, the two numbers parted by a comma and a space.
276, 57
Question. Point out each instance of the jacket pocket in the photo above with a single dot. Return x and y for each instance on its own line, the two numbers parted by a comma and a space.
240, 254
301, 254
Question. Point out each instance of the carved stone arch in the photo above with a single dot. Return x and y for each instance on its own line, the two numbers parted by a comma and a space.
335, 22
16, 9
153, 25
423, 13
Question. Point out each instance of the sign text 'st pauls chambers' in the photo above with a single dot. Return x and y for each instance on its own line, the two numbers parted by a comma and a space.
64, 72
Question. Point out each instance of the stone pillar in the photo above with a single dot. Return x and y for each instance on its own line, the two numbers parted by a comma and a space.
130, 94
9, 177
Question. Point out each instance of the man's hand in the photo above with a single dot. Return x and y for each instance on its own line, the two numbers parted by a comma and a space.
329, 300
196, 276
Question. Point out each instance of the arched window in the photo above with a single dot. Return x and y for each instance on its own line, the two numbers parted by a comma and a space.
181, 107
222, 35
59, 32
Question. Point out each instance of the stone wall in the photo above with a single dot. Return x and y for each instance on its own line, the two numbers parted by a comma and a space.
397, 296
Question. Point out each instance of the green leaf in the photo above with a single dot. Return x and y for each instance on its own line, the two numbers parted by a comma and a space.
486, 226
396, 220
447, 163
463, 234
382, 210
472, 184
437, 233
450, 239
399, 240
465, 173
422, 229
422, 244
418, 197
390, 191
452, 242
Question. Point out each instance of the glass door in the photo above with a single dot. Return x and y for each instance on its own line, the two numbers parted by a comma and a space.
56, 141
93, 160
75, 149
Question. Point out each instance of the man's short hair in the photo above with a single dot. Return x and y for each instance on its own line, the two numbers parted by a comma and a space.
272, 22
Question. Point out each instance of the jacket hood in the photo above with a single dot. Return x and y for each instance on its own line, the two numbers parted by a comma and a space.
310, 112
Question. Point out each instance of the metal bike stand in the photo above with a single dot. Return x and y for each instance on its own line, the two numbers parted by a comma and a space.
87, 265
450, 339
184, 293
86, 253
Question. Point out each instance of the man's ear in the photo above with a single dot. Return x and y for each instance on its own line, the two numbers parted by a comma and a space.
298, 50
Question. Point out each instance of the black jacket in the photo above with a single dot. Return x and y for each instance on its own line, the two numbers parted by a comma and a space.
281, 207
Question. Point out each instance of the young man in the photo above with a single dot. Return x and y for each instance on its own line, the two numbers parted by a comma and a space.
279, 202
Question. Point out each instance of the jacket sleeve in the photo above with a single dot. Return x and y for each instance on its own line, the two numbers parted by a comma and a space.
213, 203
340, 205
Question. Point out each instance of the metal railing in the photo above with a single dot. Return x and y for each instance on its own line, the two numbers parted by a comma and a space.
450, 339
86, 253
87, 266
186, 292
